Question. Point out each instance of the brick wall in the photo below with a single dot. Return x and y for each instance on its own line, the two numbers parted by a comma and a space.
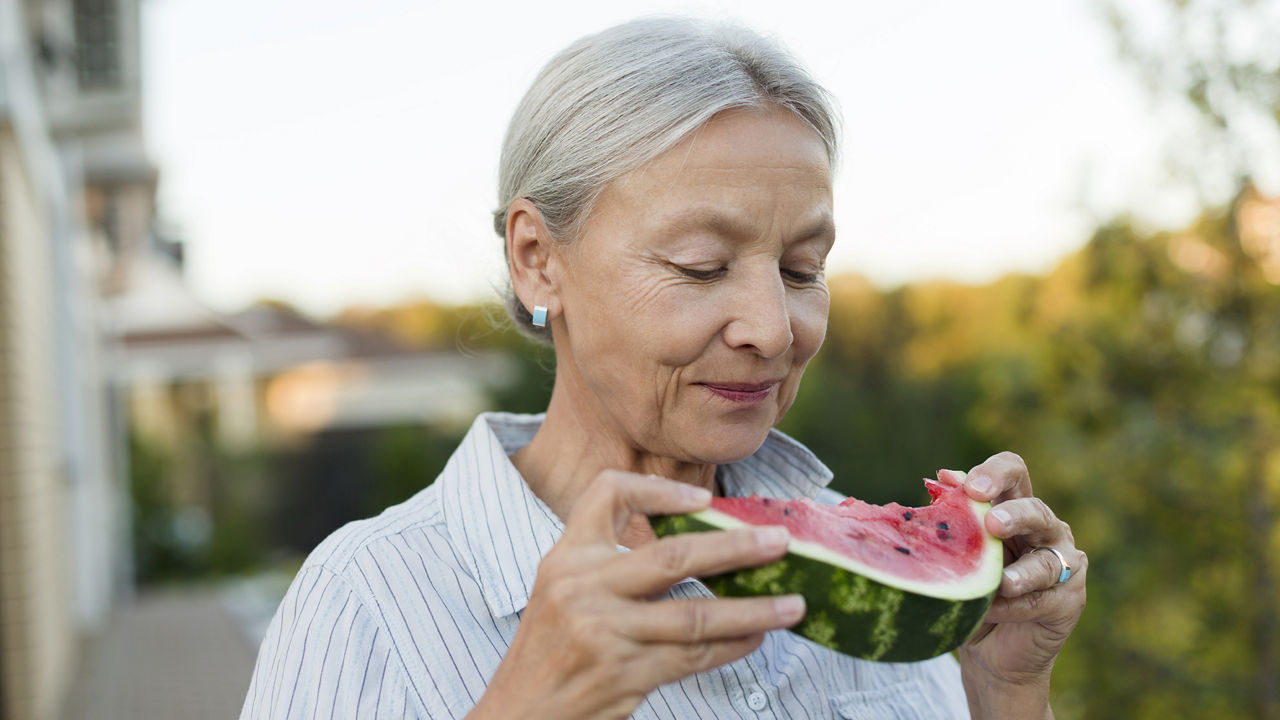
36, 627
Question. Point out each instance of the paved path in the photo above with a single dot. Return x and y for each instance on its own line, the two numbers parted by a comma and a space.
172, 655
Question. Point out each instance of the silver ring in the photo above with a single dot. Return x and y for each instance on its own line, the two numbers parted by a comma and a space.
1063, 576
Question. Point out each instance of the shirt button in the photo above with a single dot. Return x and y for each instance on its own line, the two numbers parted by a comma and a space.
757, 700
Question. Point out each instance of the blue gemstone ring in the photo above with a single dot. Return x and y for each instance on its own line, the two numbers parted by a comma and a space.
1063, 576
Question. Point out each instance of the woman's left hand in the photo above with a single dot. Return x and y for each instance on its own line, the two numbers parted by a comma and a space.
1006, 665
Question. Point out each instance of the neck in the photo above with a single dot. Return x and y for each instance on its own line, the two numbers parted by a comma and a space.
576, 442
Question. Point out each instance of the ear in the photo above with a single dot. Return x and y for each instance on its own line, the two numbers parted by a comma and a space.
532, 257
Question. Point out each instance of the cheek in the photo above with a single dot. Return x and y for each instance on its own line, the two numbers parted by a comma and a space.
809, 323
638, 320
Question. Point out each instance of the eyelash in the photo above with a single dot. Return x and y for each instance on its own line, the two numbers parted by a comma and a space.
696, 274
704, 275
802, 278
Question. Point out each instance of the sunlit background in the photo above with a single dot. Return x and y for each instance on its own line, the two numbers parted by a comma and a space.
247, 282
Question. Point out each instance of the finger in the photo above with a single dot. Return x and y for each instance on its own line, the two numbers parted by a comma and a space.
1028, 519
1003, 475
614, 496
658, 565
711, 619
1048, 607
1032, 607
1041, 570
674, 661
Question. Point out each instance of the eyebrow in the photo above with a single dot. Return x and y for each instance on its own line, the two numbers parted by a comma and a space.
721, 224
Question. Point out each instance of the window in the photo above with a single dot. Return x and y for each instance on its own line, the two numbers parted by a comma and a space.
97, 24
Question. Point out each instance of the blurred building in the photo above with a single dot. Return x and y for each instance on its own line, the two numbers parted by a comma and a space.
269, 378
100, 337
76, 197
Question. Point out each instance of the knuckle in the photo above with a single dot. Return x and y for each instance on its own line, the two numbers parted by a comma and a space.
608, 482
1035, 601
673, 555
549, 567
1014, 459
695, 622
1045, 512
561, 592
1049, 566
586, 628
1066, 530
699, 655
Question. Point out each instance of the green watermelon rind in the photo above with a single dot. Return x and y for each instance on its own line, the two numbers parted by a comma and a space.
854, 609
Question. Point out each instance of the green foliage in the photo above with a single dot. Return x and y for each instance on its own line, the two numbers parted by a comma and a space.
406, 458
238, 482
157, 551
175, 540
1159, 400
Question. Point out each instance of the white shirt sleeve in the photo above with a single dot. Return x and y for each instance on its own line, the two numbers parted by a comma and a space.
325, 656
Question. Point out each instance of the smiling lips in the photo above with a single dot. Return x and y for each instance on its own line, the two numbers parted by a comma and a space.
744, 393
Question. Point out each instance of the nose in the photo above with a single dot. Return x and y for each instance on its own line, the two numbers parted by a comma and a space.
761, 316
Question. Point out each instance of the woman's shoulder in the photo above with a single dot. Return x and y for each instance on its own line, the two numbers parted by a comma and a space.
355, 597
416, 523
396, 597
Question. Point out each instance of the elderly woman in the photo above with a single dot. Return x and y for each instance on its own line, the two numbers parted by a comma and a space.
665, 199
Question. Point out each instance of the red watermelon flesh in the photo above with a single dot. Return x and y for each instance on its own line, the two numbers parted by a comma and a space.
937, 543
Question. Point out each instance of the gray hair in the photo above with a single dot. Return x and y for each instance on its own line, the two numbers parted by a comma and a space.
613, 101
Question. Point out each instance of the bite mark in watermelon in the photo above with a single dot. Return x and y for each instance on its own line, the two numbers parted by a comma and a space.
889, 583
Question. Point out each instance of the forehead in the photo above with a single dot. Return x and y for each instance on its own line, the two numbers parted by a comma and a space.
745, 158
765, 140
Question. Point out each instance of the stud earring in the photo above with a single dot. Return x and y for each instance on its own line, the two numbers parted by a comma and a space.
539, 316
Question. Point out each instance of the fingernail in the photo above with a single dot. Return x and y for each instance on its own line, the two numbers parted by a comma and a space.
697, 495
772, 538
982, 484
1013, 577
788, 607
1002, 515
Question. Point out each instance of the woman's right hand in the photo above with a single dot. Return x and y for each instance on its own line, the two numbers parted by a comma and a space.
594, 641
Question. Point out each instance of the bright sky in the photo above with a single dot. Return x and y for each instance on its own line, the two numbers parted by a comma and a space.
330, 152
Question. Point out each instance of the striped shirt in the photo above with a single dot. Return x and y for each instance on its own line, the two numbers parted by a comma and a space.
409, 613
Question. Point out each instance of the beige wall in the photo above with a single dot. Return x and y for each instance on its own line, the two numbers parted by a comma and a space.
36, 630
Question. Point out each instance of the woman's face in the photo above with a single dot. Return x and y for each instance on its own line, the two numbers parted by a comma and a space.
695, 295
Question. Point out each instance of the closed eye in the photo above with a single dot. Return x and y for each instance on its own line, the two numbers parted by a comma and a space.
801, 277
697, 274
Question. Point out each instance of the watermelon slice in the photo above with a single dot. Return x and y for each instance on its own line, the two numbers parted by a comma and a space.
882, 582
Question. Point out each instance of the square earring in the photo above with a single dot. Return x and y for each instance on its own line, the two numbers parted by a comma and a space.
539, 316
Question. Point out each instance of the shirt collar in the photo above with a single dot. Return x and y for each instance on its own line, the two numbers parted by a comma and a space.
503, 530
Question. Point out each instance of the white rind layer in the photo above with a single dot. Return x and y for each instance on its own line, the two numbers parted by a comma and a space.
979, 583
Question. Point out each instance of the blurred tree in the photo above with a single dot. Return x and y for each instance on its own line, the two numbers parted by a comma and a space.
239, 485
1153, 432
157, 552
1221, 58
406, 459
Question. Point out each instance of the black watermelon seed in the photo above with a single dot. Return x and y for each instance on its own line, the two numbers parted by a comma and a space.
903, 550
907, 516
786, 511
943, 526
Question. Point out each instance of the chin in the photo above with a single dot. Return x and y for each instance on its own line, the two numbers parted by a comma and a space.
729, 443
